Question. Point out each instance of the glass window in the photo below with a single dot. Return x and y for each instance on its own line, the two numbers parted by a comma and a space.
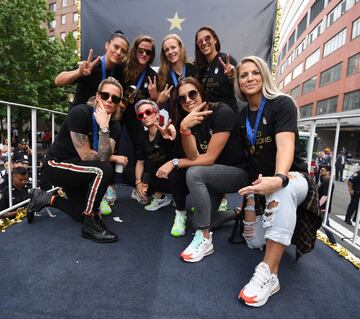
52, 24
62, 35
355, 29
282, 69
301, 26
281, 85
316, 32
75, 17
290, 58
283, 52
316, 8
63, 19
291, 40
335, 43
312, 59
298, 70
331, 75
63, 3
336, 13
327, 106
295, 92
309, 85
287, 79
306, 110
75, 34
351, 101
52, 7
300, 48
354, 64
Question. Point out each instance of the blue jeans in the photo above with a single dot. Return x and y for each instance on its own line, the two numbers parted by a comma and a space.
208, 184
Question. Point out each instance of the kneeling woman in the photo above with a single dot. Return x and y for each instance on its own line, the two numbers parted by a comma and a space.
159, 148
210, 137
269, 128
78, 161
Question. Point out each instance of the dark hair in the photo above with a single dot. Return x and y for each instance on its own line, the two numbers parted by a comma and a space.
118, 34
20, 171
327, 168
200, 60
177, 112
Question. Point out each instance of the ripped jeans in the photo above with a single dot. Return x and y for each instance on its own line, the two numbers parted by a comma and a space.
278, 222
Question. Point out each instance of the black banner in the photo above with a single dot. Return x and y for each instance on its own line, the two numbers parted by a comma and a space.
245, 27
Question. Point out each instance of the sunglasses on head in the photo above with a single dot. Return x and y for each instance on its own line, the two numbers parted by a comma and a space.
144, 51
193, 94
114, 98
205, 39
147, 112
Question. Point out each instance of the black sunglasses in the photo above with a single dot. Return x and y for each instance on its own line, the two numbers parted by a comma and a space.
147, 112
114, 98
193, 94
144, 51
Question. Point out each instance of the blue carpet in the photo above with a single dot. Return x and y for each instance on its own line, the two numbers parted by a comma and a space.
49, 271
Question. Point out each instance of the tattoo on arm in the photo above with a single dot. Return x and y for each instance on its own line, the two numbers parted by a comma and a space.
93, 156
79, 140
82, 146
104, 150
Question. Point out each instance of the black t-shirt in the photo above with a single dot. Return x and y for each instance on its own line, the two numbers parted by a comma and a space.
279, 115
141, 93
223, 119
18, 195
218, 88
79, 120
157, 152
355, 181
323, 191
87, 85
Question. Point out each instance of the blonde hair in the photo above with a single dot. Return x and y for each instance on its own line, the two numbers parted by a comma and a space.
269, 87
165, 65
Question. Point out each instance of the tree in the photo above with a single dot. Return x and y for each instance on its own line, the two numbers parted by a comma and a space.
29, 59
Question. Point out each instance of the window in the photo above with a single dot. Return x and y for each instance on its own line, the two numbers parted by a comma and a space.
309, 85
290, 58
52, 7
295, 92
287, 79
63, 3
52, 24
75, 17
300, 48
301, 26
63, 19
316, 32
282, 69
291, 40
316, 8
312, 59
281, 85
355, 29
62, 35
336, 13
335, 43
283, 52
306, 110
327, 106
351, 101
354, 64
75, 34
331, 75
298, 70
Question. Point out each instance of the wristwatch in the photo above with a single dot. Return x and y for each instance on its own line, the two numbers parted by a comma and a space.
285, 179
104, 130
175, 162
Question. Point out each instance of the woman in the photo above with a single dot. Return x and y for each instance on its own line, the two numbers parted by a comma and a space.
210, 138
141, 78
78, 162
174, 66
159, 148
269, 129
214, 69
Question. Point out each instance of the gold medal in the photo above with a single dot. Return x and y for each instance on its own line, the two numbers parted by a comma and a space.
252, 149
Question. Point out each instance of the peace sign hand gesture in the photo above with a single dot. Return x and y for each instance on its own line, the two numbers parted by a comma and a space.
195, 117
229, 69
86, 67
152, 88
167, 131
165, 94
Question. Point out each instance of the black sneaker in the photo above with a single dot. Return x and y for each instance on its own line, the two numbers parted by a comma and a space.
38, 200
348, 221
96, 230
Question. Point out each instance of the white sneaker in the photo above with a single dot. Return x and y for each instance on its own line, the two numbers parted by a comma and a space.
135, 195
223, 205
199, 248
157, 203
179, 226
262, 285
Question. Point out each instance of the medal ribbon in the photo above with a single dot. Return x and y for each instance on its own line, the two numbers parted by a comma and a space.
251, 133
103, 68
174, 77
141, 79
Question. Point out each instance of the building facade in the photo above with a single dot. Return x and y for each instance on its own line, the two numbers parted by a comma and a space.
319, 61
66, 18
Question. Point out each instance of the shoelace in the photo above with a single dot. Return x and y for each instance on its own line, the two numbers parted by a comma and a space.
197, 240
260, 277
179, 219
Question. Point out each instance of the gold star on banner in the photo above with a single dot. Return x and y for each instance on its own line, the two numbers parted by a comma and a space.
175, 22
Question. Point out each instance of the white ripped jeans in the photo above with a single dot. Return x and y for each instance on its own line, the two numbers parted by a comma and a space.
278, 223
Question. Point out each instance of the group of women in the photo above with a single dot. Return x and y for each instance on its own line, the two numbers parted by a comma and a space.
208, 148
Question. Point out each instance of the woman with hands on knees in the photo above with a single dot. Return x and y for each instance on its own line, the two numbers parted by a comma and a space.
269, 129
157, 149
215, 160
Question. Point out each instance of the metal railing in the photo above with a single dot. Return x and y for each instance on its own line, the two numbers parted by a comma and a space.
33, 125
336, 120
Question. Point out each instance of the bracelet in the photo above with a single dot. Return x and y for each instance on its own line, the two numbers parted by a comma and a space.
185, 132
136, 184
